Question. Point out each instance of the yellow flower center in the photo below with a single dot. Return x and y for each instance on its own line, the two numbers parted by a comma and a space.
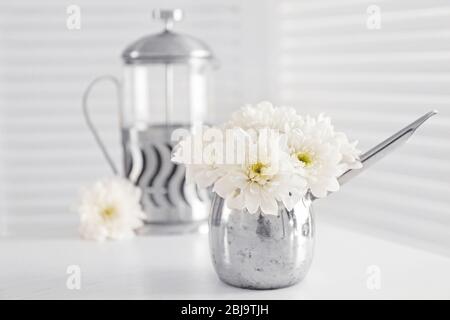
256, 168
108, 212
305, 157
256, 174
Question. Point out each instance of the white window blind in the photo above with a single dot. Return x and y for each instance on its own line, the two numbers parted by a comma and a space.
372, 82
316, 55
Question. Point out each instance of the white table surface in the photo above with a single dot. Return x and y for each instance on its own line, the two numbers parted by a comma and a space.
37, 250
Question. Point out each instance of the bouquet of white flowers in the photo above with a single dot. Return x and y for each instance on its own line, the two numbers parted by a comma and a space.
266, 155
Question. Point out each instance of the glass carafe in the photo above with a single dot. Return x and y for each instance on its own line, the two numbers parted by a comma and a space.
166, 86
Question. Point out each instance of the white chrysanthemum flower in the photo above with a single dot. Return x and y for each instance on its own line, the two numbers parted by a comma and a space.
110, 209
265, 116
316, 161
321, 155
304, 154
264, 178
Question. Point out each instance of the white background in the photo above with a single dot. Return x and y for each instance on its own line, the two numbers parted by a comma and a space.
318, 56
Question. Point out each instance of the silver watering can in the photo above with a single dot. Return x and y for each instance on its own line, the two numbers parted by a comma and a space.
258, 251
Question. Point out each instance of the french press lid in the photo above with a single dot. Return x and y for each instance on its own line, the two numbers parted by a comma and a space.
167, 46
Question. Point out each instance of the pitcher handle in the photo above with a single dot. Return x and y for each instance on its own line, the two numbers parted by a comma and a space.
88, 119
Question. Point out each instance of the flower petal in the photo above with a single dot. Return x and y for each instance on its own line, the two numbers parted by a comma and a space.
252, 201
236, 200
224, 186
269, 205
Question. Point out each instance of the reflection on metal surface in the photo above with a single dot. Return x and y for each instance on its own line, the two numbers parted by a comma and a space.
167, 200
258, 251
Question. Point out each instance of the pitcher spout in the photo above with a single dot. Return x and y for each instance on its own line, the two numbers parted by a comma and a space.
387, 146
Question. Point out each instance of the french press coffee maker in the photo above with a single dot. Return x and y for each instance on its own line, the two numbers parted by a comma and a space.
166, 86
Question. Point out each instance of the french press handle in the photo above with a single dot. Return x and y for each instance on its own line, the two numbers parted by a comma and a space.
88, 119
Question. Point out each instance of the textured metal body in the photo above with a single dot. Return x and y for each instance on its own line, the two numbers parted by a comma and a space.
258, 251
171, 205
